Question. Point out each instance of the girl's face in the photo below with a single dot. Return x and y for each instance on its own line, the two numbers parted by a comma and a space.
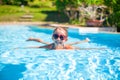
59, 35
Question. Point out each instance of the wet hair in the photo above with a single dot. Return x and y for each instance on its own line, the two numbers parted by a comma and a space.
64, 28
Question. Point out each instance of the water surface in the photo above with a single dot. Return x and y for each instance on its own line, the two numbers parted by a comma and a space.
42, 64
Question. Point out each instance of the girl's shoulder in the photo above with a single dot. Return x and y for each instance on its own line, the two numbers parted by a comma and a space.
68, 47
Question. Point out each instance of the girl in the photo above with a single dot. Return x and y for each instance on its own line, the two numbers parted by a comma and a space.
59, 37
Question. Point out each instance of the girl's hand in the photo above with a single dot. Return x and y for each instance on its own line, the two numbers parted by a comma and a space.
87, 39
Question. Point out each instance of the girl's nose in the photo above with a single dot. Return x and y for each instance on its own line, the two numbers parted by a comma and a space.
58, 38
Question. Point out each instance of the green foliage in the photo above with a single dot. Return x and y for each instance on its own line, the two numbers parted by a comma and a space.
110, 3
13, 13
71, 7
15, 2
77, 22
40, 4
41, 7
93, 2
60, 5
114, 17
63, 4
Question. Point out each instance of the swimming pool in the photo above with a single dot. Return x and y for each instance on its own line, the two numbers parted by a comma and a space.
41, 64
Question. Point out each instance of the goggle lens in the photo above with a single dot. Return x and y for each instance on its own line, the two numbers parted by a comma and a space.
56, 36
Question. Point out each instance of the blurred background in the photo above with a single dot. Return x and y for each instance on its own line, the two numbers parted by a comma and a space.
78, 12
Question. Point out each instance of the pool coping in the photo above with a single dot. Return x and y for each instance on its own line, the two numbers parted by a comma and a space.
81, 29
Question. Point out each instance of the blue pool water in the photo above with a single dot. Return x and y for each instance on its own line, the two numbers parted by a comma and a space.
41, 64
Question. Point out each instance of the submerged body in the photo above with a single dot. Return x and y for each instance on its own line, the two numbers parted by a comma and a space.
53, 46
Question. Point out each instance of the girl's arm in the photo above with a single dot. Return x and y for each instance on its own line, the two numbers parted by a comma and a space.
45, 46
38, 40
27, 47
79, 42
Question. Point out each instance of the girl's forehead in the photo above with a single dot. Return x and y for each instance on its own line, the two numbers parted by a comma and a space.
62, 31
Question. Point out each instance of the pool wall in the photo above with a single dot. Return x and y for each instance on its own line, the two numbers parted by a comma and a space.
81, 29
96, 29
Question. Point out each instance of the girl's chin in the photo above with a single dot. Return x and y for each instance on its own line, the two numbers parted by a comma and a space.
58, 42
